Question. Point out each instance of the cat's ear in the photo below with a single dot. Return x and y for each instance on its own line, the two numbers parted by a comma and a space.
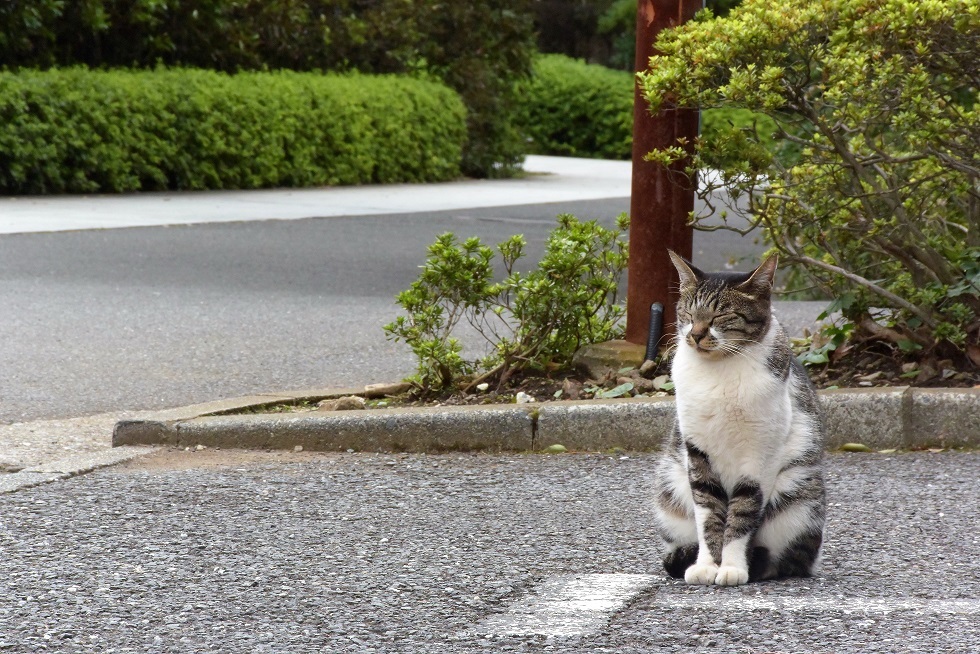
688, 273
761, 280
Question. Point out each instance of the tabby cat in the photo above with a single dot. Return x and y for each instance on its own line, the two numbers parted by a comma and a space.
740, 490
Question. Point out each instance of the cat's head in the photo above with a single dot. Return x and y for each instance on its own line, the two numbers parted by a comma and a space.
719, 314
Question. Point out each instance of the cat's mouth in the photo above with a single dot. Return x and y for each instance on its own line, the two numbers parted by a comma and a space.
708, 349
701, 344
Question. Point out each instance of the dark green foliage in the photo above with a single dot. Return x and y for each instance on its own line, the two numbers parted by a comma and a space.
618, 25
576, 109
82, 131
598, 31
480, 49
573, 28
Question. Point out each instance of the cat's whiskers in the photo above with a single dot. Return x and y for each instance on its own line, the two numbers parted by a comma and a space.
734, 350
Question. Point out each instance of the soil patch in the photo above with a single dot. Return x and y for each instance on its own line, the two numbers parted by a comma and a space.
869, 368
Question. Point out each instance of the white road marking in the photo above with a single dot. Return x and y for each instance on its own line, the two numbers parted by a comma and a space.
845, 605
580, 605
568, 605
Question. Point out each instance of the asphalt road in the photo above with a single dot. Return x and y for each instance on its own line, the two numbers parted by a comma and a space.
96, 321
248, 552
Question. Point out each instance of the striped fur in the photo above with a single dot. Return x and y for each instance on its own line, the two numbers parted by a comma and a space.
739, 490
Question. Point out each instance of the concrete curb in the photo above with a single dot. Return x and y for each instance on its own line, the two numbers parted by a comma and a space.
70, 467
881, 418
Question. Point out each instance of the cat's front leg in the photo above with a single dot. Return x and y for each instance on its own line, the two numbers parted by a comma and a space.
710, 511
742, 521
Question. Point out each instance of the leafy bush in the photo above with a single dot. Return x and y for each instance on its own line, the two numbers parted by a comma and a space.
480, 49
571, 108
576, 109
881, 205
82, 131
533, 320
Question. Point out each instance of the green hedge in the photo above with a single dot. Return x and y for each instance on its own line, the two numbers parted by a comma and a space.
479, 49
576, 109
79, 131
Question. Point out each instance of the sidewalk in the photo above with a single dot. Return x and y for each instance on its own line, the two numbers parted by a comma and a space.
549, 179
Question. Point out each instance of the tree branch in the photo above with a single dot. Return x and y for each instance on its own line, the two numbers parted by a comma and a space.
868, 284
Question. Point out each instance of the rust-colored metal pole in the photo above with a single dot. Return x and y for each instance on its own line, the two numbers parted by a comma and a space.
661, 198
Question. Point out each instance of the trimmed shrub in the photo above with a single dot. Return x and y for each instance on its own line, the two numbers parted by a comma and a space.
81, 131
577, 109
878, 204
480, 49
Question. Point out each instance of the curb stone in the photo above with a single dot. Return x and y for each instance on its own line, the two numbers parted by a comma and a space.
636, 424
953, 419
881, 418
878, 418
440, 429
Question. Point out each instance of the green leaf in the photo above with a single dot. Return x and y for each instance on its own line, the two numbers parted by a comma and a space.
618, 391
855, 447
908, 346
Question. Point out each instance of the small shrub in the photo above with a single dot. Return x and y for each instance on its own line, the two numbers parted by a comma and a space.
531, 320
82, 131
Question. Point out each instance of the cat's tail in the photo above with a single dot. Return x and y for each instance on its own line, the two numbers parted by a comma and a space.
800, 559
679, 558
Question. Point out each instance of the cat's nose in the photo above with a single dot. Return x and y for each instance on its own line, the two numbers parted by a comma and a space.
698, 332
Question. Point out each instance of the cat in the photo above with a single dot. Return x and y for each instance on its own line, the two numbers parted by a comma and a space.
740, 492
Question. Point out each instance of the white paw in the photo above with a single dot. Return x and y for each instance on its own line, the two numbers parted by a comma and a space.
701, 574
729, 575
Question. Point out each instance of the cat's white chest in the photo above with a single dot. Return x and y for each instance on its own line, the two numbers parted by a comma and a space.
732, 409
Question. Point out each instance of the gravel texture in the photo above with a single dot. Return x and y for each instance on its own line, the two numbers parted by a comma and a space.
297, 552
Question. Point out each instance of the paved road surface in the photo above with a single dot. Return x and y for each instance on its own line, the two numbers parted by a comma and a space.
144, 318
238, 552
246, 552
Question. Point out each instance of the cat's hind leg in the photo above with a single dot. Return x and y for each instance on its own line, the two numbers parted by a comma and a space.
759, 563
674, 511
679, 533
792, 527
